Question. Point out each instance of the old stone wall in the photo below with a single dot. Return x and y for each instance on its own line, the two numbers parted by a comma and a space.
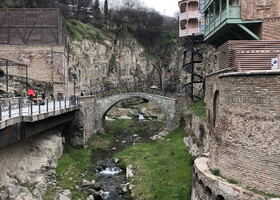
84, 124
243, 116
167, 105
208, 186
259, 9
44, 63
198, 139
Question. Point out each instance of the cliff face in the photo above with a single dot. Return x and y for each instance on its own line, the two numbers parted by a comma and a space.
118, 63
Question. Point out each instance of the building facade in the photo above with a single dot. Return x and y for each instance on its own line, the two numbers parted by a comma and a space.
191, 21
36, 38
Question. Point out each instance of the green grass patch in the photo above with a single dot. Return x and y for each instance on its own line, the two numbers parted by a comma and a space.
232, 181
199, 109
262, 193
216, 172
163, 169
50, 194
71, 166
75, 165
101, 140
81, 31
118, 125
138, 129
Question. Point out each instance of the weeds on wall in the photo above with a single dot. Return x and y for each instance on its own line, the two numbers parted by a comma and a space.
79, 31
199, 109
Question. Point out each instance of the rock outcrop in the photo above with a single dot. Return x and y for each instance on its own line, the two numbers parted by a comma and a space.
28, 167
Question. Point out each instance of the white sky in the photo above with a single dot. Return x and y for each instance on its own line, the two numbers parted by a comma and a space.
167, 7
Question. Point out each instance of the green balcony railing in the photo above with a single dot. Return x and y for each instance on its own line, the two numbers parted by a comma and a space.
230, 12
206, 2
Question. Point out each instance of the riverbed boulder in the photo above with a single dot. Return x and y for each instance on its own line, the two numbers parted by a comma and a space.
37, 194
96, 186
62, 197
18, 192
67, 193
90, 197
86, 183
129, 172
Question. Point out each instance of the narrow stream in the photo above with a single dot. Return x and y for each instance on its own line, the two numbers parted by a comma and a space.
111, 177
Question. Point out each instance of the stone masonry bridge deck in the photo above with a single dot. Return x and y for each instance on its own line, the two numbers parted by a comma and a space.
93, 109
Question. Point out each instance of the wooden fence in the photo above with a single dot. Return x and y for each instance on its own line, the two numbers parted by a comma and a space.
32, 26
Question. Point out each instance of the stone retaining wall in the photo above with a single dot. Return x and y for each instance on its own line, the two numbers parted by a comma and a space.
209, 187
243, 113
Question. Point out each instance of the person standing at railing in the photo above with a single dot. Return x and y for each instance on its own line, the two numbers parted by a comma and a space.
43, 97
31, 93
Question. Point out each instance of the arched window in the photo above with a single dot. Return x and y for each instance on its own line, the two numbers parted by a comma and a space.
183, 7
193, 23
183, 24
216, 102
193, 6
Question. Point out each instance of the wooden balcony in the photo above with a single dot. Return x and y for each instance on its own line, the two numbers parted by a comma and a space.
189, 32
232, 13
193, 14
183, 16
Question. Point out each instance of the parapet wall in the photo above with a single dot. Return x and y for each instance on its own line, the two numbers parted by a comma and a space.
208, 186
44, 63
243, 115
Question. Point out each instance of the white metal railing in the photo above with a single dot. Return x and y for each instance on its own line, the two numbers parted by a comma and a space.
15, 107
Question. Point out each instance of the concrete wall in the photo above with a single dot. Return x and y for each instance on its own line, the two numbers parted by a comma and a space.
45, 63
244, 120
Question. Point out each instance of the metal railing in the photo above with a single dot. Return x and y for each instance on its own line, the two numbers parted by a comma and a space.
15, 107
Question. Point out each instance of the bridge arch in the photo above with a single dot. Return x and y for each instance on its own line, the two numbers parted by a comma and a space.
104, 104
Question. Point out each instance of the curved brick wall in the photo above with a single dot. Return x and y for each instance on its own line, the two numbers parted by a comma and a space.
246, 138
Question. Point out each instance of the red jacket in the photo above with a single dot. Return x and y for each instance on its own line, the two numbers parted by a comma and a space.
31, 92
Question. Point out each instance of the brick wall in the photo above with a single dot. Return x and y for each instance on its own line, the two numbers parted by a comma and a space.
245, 138
259, 9
270, 28
45, 63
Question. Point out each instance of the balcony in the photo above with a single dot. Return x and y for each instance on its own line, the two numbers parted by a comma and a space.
230, 12
193, 14
189, 32
183, 16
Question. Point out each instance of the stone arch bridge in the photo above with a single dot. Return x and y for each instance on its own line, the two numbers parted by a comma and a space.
93, 109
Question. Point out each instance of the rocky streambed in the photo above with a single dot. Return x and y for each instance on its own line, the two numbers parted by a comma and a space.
112, 177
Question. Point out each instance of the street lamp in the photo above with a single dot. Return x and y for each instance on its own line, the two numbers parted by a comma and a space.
74, 77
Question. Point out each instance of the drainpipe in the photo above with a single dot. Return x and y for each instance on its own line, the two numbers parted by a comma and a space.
52, 69
227, 8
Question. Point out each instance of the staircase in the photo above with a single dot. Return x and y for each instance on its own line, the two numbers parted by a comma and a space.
191, 88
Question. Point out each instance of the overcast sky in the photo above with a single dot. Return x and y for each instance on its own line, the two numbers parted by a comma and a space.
167, 7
